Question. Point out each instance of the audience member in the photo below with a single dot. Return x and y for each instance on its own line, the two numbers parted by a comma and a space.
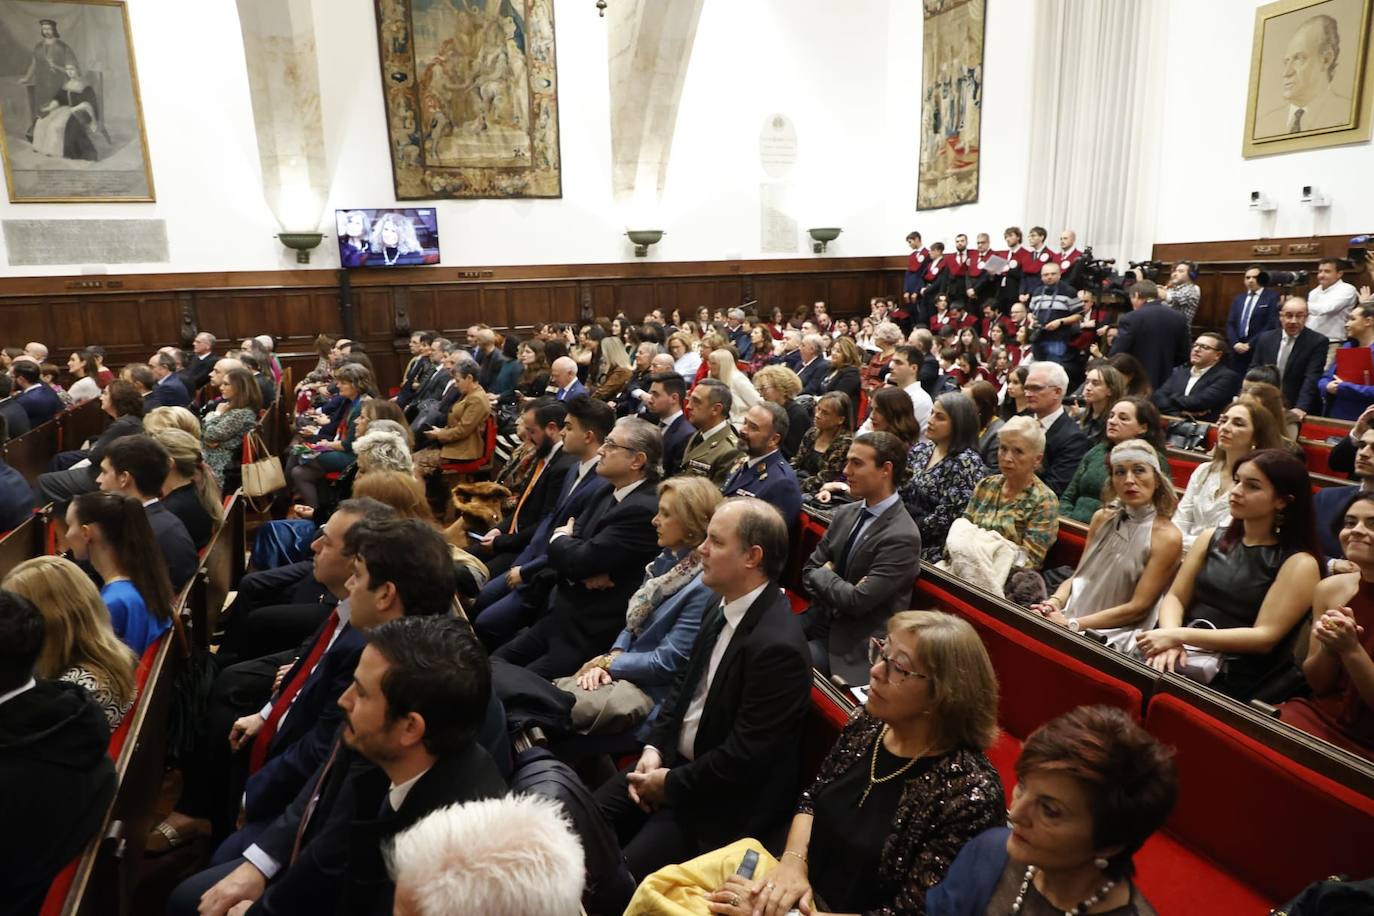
1013, 395
1230, 617
11, 411
1065, 444
456, 860
1329, 503
984, 397
929, 720
667, 394
764, 473
886, 337
462, 438
1330, 303
863, 569
39, 401
902, 374
1137, 381
111, 532
943, 470
714, 448
420, 368
408, 748
190, 491
1153, 333
780, 385
1338, 665
1132, 553
1346, 399
1054, 307
1253, 312
82, 367
1016, 504
814, 368
891, 411
682, 346
1243, 427
663, 615
599, 558
722, 761
1102, 388
613, 370
1092, 787
119, 401
742, 394
1300, 355
845, 360
16, 498
170, 390
1201, 388
1129, 418
56, 775
234, 417
1272, 400
79, 642
824, 447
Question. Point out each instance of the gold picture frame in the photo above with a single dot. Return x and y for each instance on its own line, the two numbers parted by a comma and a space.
1311, 82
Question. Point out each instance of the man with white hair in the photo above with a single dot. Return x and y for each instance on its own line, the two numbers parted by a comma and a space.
36, 351
456, 861
634, 396
814, 367
734, 320
218, 373
791, 350
201, 361
1065, 444
563, 379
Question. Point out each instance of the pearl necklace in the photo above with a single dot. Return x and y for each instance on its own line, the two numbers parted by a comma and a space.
391, 261
1083, 907
874, 778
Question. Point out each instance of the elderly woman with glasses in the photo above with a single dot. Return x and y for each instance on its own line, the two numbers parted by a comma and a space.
907, 784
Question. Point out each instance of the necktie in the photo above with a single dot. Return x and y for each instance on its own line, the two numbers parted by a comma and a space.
695, 441
534, 478
1245, 316
314, 799
258, 756
1295, 121
711, 626
843, 560
1284, 349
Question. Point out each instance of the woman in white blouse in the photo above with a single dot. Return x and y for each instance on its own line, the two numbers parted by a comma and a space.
742, 391
1243, 427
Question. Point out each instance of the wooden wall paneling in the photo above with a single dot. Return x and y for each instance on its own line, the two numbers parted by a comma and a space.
563, 303
604, 300
495, 309
459, 307
530, 305
66, 323
848, 294
372, 311
635, 299
159, 321
25, 322
423, 307
309, 313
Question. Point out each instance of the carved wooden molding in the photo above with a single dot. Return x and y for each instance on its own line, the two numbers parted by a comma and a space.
186, 303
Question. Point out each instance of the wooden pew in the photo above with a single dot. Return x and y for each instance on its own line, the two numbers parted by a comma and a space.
22, 543
221, 566
82, 423
30, 453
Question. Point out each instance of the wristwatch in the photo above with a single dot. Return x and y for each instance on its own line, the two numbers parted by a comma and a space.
1075, 625
604, 662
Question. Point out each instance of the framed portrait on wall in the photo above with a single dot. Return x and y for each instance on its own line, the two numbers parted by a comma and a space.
471, 94
69, 103
1310, 76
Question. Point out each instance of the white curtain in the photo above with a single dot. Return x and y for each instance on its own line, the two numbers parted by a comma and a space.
1098, 126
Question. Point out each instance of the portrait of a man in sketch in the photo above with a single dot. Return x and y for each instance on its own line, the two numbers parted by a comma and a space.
47, 70
1309, 68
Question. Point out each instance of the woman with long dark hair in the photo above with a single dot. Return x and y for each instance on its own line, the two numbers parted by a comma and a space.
112, 532
1243, 589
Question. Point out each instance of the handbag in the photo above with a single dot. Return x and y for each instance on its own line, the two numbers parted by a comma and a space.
1190, 435
261, 472
610, 709
1201, 665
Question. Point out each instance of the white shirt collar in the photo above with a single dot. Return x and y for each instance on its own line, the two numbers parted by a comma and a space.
397, 794
714, 429
584, 467
670, 419
754, 461
735, 610
626, 490
6, 697
884, 504
149, 502
1047, 422
345, 612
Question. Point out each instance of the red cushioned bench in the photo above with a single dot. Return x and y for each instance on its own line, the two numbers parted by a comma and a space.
1251, 823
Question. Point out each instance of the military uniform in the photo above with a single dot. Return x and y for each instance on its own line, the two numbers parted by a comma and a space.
771, 480
712, 456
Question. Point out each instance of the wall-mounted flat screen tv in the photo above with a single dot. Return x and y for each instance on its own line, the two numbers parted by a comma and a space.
387, 237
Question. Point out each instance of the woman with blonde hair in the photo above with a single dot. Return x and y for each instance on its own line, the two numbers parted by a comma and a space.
906, 785
743, 395
1245, 426
682, 346
171, 418
190, 492
613, 371
383, 448
79, 644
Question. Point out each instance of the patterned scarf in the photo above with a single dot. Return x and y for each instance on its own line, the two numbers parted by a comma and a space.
657, 589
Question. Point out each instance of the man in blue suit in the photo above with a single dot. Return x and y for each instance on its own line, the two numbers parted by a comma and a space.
765, 474
170, 390
39, 401
1252, 313
563, 379
666, 393
509, 602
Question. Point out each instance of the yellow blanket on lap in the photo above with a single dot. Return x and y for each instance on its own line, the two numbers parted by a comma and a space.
680, 890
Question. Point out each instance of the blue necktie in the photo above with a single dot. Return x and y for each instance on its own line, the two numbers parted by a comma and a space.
843, 562
1245, 316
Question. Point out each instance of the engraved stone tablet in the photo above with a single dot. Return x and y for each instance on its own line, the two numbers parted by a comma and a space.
777, 146
85, 241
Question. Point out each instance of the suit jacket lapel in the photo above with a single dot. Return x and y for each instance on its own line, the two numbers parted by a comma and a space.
737, 640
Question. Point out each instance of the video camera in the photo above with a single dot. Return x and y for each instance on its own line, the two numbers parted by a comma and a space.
1112, 288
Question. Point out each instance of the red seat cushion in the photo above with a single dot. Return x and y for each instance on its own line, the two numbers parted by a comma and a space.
145, 666
1175, 879
1269, 821
1036, 682
58, 890
1003, 755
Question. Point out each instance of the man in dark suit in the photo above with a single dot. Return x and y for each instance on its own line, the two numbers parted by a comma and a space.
1153, 333
765, 474
1329, 503
16, 498
739, 335
541, 423
1300, 355
137, 466
39, 401
418, 370
1065, 444
266, 386
506, 603
862, 571
722, 759
1253, 312
15, 416
666, 393
630, 401
599, 558
168, 390
814, 367
1204, 386
563, 379
201, 361
273, 611
407, 747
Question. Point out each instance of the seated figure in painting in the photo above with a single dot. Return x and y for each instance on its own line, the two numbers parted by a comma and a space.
70, 121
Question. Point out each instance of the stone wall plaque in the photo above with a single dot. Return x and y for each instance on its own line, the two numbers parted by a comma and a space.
778, 146
47, 242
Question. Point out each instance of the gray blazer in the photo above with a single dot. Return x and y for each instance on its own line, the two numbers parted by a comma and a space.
877, 583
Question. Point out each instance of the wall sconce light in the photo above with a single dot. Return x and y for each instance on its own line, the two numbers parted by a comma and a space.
822, 236
643, 238
301, 243
601, 8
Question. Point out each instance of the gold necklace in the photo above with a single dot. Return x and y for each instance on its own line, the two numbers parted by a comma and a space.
873, 777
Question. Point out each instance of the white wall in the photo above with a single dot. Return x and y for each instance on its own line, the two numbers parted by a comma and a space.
1206, 184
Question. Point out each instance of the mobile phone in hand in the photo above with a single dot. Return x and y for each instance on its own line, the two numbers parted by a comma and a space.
748, 864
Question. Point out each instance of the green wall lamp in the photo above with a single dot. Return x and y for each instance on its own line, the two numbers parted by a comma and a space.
301, 243
643, 238
822, 236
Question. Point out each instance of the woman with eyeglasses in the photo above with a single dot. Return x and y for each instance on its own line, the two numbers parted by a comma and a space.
906, 785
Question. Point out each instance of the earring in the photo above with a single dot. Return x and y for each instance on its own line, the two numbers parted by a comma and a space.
1100, 863
1278, 521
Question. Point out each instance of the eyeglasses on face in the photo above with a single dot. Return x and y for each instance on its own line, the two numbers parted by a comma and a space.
878, 652
1199, 345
